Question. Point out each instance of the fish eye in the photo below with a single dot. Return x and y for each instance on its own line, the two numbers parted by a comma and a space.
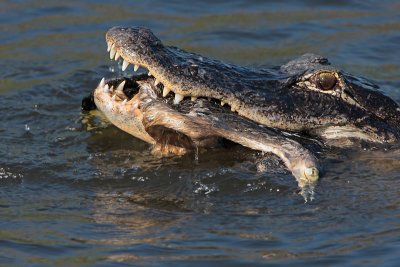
326, 80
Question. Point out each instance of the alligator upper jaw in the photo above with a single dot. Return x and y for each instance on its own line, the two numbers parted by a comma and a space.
140, 48
181, 73
146, 115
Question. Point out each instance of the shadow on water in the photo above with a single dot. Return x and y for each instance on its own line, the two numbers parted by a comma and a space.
75, 190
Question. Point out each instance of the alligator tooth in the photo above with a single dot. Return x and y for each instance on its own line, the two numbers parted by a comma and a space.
178, 98
125, 64
105, 89
102, 82
123, 102
193, 98
112, 52
156, 82
135, 67
112, 88
121, 86
165, 91
233, 109
222, 103
108, 47
113, 98
149, 73
117, 55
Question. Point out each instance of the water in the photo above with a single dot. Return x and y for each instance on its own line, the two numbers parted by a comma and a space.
76, 191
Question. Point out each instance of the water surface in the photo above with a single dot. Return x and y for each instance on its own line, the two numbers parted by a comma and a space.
77, 191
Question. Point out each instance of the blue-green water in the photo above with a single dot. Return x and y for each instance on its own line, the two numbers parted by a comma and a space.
76, 191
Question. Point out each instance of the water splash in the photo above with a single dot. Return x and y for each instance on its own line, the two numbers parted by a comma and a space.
308, 192
6, 174
196, 153
205, 189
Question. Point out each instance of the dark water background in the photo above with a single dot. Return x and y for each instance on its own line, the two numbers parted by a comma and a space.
76, 191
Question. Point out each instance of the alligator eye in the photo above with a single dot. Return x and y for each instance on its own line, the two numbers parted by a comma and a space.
326, 80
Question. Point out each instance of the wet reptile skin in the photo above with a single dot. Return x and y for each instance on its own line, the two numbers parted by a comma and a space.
279, 97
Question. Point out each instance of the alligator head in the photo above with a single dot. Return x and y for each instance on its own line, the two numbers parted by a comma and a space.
175, 106
306, 94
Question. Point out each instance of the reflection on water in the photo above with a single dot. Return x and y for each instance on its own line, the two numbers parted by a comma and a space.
75, 190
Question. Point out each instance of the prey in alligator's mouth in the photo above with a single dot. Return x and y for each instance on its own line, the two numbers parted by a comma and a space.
185, 101
137, 106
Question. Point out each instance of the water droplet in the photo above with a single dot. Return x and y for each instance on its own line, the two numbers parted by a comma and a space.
202, 72
196, 153
27, 128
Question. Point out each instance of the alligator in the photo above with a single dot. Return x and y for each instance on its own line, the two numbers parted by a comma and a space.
185, 101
